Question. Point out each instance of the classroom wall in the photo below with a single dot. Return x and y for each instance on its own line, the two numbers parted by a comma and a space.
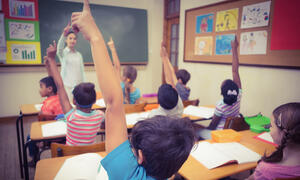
263, 88
19, 85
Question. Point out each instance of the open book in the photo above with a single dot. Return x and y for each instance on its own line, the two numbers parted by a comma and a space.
84, 167
218, 154
203, 112
133, 118
57, 128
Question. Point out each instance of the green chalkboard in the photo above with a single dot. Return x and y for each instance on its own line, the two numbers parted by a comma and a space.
127, 27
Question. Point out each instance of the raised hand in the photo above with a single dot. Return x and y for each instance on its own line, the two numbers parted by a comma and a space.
51, 50
163, 51
234, 44
66, 29
111, 44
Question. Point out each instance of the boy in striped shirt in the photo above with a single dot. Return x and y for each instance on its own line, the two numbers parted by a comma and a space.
82, 122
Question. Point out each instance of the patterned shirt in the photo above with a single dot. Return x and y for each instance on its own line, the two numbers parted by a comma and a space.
224, 110
82, 127
51, 106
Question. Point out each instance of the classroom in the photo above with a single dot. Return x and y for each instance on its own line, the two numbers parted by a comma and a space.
268, 80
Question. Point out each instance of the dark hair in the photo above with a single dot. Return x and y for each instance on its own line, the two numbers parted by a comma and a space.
230, 91
167, 96
165, 143
49, 82
184, 75
85, 94
130, 74
71, 32
287, 119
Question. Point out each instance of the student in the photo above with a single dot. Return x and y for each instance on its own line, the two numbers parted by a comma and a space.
231, 91
285, 131
132, 94
72, 68
82, 122
158, 146
183, 76
170, 104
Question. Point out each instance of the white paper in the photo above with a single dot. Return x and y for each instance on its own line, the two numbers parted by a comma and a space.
256, 15
2, 32
83, 167
38, 106
133, 118
203, 112
54, 129
100, 102
266, 136
253, 42
21, 30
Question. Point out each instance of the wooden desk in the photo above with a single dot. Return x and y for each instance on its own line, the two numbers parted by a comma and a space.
193, 169
46, 169
150, 100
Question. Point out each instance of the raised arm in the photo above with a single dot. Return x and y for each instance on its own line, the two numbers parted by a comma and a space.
61, 43
235, 62
115, 57
167, 67
115, 124
53, 70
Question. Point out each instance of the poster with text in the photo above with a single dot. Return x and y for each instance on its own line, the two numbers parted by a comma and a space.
253, 42
227, 20
204, 23
204, 45
22, 30
20, 52
223, 44
2, 34
256, 15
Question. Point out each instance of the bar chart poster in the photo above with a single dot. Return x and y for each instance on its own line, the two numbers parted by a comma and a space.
23, 52
22, 9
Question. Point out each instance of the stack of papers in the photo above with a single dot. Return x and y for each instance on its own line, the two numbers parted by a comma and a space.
197, 111
133, 118
38, 106
58, 128
100, 102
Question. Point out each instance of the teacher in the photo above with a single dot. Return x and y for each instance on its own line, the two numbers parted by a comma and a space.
72, 68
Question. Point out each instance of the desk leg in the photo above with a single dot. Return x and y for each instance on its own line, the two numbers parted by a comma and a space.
19, 145
25, 160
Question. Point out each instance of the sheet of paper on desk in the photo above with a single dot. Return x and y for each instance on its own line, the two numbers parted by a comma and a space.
203, 112
133, 118
54, 129
85, 166
100, 102
38, 106
265, 137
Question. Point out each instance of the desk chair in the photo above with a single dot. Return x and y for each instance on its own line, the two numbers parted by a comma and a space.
132, 108
191, 102
236, 123
58, 150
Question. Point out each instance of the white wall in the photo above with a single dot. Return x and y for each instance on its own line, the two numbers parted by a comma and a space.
19, 85
263, 88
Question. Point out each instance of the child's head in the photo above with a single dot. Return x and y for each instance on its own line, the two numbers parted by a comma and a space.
164, 144
183, 76
229, 91
84, 95
285, 129
167, 96
47, 87
71, 39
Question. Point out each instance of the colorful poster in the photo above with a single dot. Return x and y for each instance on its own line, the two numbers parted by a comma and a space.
2, 33
22, 30
22, 9
1, 5
204, 23
203, 45
223, 44
227, 20
20, 52
253, 42
256, 15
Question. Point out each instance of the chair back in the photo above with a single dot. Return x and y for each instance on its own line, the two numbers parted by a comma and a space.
58, 150
236, 123
46, 117
132, 108
191, 102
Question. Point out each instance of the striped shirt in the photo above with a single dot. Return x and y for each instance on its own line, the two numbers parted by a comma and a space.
82, 127
224, 110
51, 106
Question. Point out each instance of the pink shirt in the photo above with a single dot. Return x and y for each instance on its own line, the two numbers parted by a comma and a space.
268, 171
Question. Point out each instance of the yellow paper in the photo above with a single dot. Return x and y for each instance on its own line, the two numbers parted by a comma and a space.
203, 45
227, 20
19, 52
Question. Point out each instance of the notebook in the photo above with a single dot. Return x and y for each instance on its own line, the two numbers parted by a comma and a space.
218, 154
203, 112
57, 128
84, 167
100, 102
133, 118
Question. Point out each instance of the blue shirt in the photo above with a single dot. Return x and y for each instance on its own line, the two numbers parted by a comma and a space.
121, 163
133, 95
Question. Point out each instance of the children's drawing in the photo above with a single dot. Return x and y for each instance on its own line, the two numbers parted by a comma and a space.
256, 15
223, 44
227, 20
2, 34
23, 52
203, 45
253, 42
204, 23
21, 9
23, 31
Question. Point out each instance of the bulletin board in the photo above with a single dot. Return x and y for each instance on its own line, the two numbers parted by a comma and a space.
210, 29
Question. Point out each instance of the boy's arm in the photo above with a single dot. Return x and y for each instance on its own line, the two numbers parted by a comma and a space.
167, 67
115, 124
235, 63
61, 43
53, 70
115, 57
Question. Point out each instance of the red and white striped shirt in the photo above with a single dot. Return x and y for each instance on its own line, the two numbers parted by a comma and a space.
82, 127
